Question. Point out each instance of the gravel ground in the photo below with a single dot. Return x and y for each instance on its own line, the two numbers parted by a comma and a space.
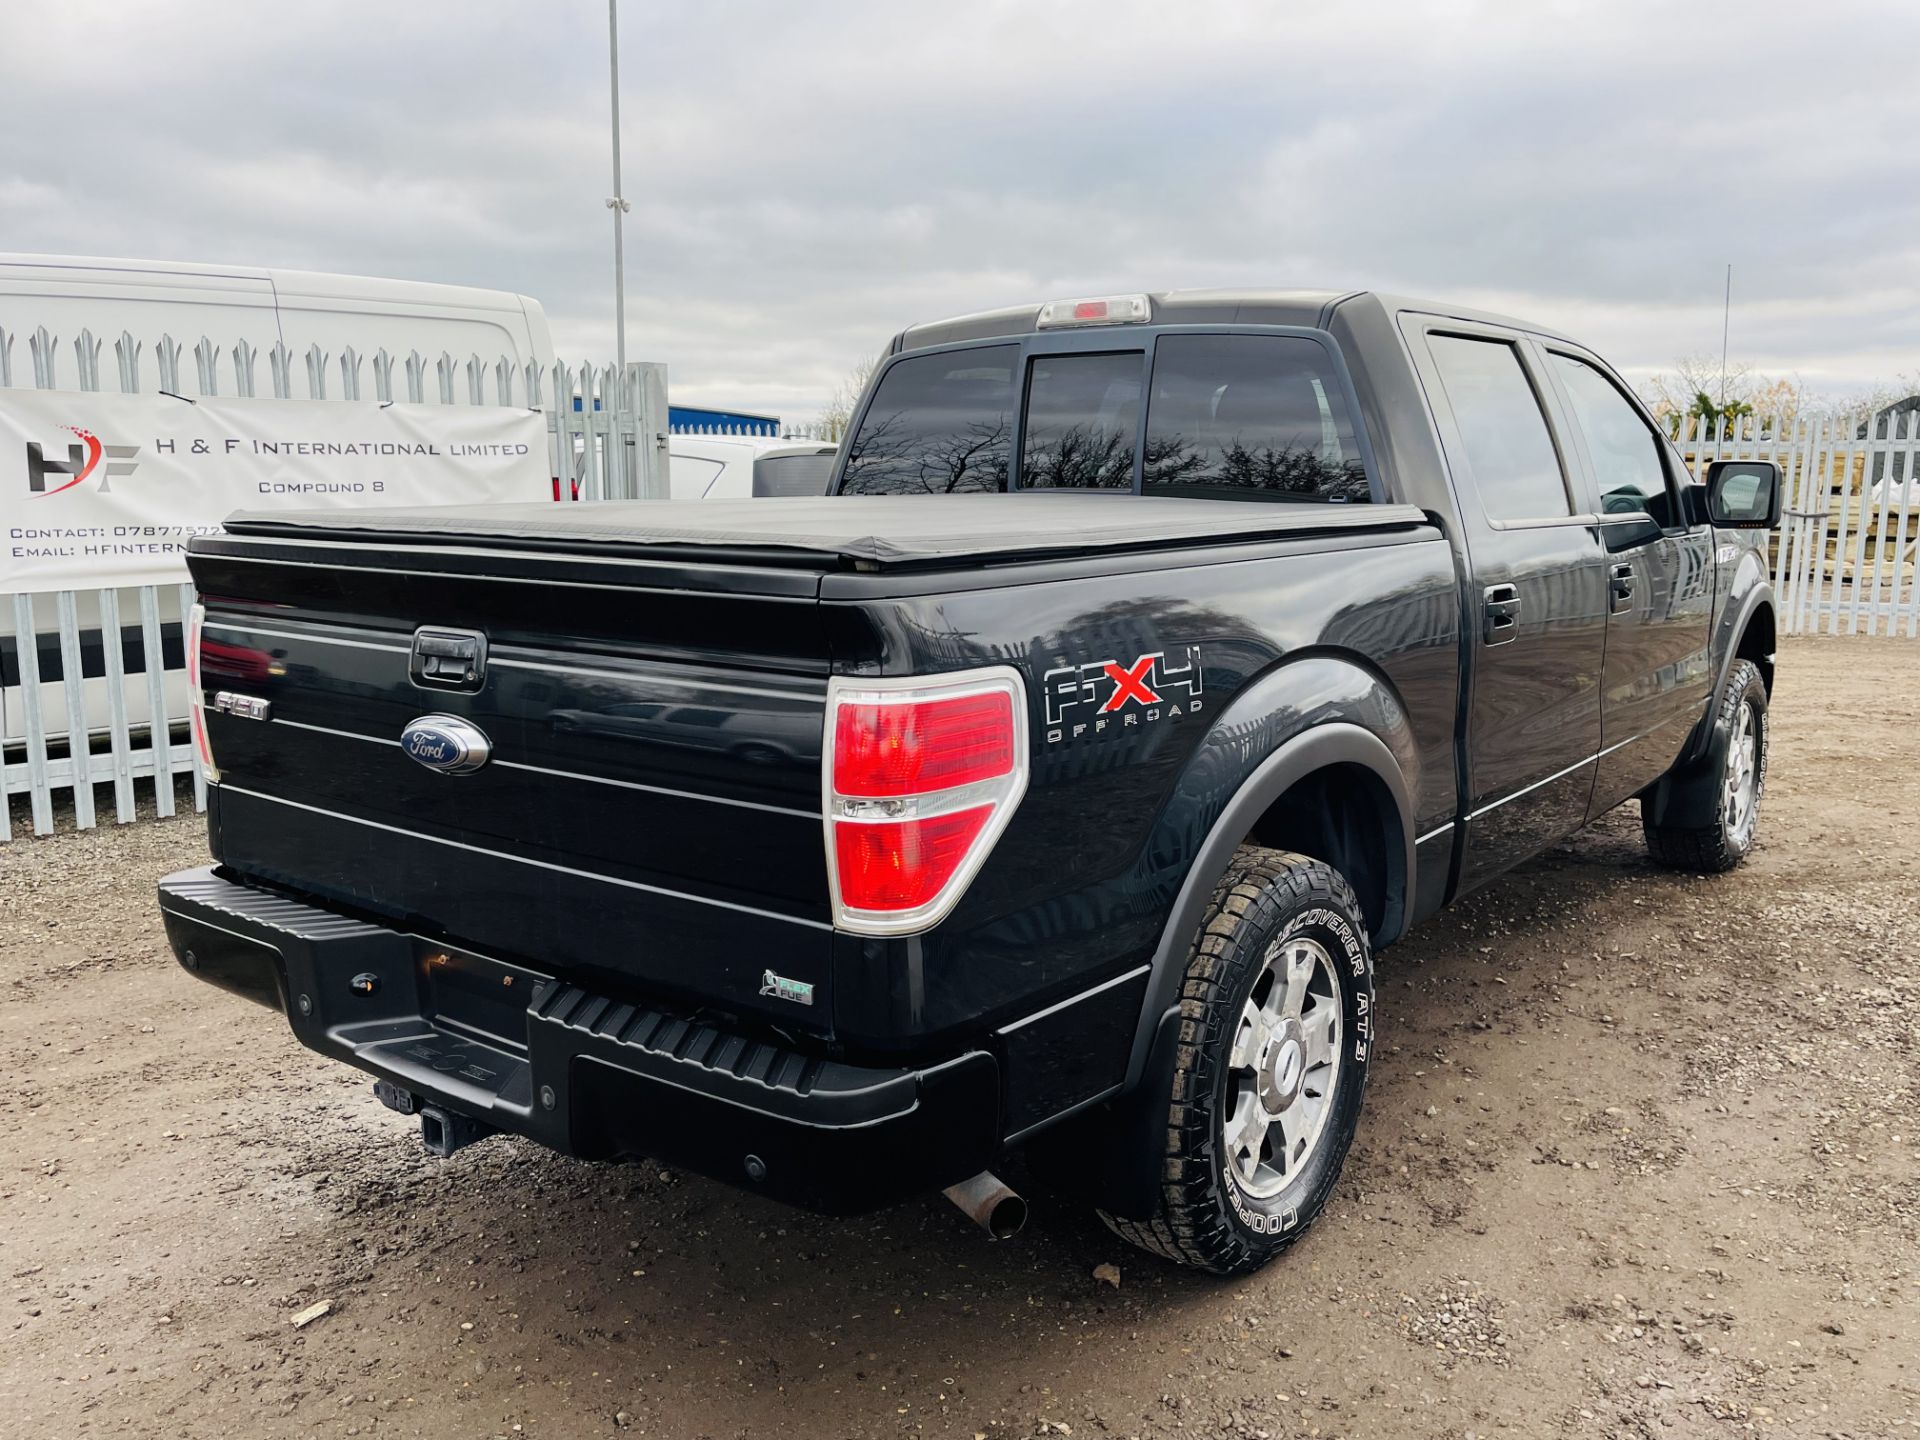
1641, 1159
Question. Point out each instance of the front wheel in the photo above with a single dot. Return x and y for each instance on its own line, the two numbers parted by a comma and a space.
1276, 1021
1731, 788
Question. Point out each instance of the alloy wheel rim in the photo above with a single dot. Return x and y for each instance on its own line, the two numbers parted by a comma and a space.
1743, 775
1283, 1067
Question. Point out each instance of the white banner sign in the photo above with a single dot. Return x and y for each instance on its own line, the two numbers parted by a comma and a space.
101, 489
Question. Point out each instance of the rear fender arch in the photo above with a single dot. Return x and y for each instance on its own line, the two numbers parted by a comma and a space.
1304, 716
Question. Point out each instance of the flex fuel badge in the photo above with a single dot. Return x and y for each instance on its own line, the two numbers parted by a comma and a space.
779, 987
1089, 698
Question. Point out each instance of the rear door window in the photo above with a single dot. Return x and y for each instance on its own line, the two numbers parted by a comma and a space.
1082, 422
1249, 417
939, 424
1502, 429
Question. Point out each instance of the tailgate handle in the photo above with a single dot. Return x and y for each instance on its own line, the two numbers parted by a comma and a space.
447, 659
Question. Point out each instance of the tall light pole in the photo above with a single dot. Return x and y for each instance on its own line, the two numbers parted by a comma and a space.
1726, 321
616, 202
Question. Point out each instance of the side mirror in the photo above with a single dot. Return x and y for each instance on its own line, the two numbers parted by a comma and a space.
1744, 494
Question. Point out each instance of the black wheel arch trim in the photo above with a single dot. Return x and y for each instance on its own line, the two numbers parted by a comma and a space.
1109, 1153
1731, 634
1318, 747
1687, 795
1313, 710
1759, 597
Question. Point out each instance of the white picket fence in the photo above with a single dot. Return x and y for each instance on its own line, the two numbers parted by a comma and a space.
1846, 558
121, 725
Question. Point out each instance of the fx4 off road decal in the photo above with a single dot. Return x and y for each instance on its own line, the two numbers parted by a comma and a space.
1098, 695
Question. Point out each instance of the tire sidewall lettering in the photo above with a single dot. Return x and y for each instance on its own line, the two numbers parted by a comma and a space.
1350, 945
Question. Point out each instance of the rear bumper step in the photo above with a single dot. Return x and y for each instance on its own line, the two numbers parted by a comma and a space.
515, 1050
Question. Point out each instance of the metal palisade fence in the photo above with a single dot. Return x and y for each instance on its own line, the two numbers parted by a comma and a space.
820, 432
92, 683
1846, 559
102, 729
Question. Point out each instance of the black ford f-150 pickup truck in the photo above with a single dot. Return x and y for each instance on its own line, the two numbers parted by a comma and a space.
1051, 783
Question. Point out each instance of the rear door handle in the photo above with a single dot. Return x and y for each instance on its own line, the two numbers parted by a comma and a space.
1620, 588
1503, 614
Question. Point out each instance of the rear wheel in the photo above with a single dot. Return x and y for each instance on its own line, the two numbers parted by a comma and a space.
1731, 788
1275, 1031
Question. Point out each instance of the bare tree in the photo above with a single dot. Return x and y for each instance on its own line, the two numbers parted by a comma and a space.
1693, 388
838, 413
888, 457
1678, 391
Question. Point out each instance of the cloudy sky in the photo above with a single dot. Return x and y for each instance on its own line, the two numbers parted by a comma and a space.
806, 178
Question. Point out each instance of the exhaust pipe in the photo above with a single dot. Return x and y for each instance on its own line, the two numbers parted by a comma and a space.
986, 1200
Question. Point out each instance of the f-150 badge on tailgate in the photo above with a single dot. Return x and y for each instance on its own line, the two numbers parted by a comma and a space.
446, 743
1090, 697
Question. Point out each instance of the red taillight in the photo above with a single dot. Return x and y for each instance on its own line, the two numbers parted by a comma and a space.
196, 696
901, 864
921, 745
922, 776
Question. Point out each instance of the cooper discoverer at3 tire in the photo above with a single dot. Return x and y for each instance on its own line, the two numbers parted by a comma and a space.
1275, 1038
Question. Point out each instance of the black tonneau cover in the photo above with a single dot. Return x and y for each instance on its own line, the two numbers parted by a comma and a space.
868, 532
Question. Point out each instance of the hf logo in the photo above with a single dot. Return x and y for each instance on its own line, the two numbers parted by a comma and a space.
1091, 697
81, 462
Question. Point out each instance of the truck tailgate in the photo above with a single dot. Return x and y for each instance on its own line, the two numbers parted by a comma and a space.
649, 813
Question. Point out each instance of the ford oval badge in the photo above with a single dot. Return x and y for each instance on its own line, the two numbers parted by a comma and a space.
446, 743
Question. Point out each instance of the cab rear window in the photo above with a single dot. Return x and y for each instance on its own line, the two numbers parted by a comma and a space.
938, 425
1082, 422
1232, 417
1249, 417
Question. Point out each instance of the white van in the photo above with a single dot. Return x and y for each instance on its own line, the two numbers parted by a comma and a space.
227, 304
723, 467
230, 303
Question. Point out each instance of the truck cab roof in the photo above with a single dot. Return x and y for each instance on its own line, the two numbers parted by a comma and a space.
1235, 306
